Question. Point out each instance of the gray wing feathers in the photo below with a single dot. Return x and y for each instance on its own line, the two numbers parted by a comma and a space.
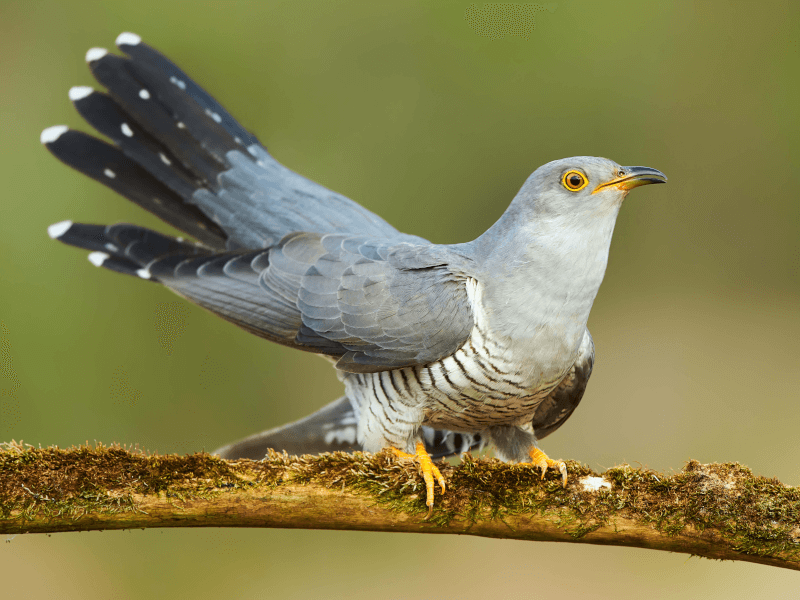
558, 406
373, 305
385, 306
229, 286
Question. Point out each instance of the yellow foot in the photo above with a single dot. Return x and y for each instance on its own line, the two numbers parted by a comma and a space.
429, 471
543, 462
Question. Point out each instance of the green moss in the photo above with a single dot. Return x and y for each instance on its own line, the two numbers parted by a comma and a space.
55, 482
756, 515
753, 514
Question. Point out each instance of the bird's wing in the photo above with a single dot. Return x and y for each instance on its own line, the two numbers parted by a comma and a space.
179, 154
558, 406
370, 304
383, 306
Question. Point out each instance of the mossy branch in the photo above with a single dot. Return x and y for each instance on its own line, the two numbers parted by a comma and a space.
717, 511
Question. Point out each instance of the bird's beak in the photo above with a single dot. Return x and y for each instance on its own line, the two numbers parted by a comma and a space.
633, 177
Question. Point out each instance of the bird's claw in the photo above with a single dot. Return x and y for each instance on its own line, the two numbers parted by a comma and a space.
429, 472
541, 461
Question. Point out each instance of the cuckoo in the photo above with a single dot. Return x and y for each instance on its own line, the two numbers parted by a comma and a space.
439, 347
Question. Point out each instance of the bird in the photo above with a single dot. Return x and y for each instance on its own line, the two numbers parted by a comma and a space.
451, 345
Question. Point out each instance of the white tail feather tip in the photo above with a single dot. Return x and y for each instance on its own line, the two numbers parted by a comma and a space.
51, 134
79, 92
56, 230
98, 258
94, 54
128, 39
143, 273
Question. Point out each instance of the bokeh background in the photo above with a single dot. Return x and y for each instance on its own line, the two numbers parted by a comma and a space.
434, 124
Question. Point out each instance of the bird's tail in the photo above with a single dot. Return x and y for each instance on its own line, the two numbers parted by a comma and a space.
176, 152
333, 428
169, 136
127, 249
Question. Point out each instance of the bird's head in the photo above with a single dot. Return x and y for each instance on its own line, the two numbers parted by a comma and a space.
574, 185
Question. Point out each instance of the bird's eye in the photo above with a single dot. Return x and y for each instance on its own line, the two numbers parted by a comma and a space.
621, 173
574, 181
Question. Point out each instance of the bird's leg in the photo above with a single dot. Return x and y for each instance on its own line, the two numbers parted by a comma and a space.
515, 443
429, 471
543, 462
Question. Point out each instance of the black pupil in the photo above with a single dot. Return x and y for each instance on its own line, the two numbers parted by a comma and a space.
575, 180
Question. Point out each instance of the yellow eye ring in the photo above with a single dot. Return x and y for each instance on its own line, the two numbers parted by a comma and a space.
574, 181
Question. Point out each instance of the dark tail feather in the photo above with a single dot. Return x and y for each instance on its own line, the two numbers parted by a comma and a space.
171, 137
124, 248
162, 75
108, 165
331, 429
108, 117
199, 150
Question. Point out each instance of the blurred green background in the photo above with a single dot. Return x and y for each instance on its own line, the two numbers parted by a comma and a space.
406, 109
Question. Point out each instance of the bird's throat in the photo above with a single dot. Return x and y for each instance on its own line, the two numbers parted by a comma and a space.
540, 297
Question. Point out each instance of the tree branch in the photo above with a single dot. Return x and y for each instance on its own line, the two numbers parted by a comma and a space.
718, 511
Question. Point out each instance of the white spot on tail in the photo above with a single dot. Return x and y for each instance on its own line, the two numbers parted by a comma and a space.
181, 125
56, 230
126, 130
98, 258
94, 54
128, 39
79, 92
164, 158
109, 173
144, 94
51, 134
111, 247
593, 484
174, 80
214, 115
143, 273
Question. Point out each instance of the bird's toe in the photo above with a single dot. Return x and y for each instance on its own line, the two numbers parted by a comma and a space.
430, 472
543, 462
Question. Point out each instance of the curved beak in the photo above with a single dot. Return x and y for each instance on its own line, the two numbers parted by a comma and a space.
633, 177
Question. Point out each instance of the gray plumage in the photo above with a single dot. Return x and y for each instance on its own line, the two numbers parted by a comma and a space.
483, 338
334, 428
